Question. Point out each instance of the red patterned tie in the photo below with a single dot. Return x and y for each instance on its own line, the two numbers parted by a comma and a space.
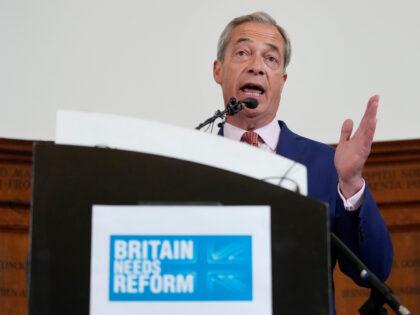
251, 138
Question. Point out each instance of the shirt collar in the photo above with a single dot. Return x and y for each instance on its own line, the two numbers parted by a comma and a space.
270, 133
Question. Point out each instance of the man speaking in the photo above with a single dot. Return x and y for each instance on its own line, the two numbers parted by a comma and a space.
252, 57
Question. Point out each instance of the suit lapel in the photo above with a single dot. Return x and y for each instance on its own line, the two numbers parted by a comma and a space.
290, 144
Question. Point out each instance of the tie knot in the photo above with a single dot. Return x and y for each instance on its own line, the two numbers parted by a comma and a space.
251, 138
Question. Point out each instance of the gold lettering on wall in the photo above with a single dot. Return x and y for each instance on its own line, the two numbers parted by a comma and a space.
13, 253
390, 183
15, 182
15, 265
12, 292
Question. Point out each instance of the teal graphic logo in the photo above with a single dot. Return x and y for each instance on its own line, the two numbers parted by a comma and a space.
180, 268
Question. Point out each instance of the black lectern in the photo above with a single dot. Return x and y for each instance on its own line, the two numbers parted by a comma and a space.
69, 179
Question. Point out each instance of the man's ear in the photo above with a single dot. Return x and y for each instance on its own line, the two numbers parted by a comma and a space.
283, 81
217, 71
284, 77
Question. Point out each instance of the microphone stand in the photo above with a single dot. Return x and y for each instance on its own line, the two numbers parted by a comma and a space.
380, 292
231, 109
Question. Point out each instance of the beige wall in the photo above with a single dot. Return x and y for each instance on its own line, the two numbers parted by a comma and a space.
153, 60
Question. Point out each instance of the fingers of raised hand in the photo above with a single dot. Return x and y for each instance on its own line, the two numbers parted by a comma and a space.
366, 129
346, 130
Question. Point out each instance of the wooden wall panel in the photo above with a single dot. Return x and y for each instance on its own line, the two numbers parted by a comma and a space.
392, 172
15, 196
13, 250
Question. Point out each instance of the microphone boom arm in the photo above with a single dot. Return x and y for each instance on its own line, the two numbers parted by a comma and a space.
380, 292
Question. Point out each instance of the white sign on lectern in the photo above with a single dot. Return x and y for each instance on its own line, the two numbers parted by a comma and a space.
173, 260
125, 133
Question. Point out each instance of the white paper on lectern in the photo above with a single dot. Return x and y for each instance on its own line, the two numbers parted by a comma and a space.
181, 220
126, 133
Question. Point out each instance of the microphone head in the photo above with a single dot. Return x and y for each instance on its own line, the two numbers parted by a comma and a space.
250, 102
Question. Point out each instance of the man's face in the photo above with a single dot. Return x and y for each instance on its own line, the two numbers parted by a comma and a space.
253, 67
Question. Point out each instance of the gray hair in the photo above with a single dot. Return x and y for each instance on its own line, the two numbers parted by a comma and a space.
259, 17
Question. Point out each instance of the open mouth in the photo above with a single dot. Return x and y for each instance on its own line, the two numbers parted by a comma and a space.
252, 90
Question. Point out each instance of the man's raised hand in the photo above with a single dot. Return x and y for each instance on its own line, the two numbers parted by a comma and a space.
353, 151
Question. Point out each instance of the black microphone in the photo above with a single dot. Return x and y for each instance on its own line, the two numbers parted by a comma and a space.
250, 102
232, 107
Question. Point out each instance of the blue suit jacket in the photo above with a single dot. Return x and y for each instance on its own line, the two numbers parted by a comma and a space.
364, 230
